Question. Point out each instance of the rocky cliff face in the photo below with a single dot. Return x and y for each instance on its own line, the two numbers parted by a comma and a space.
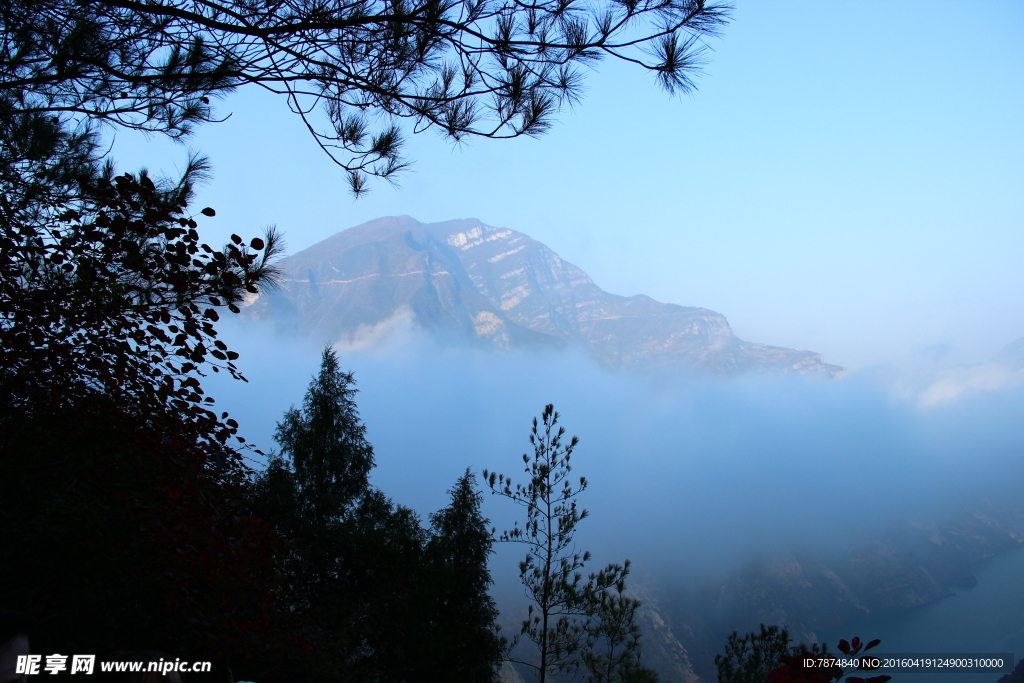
496, 287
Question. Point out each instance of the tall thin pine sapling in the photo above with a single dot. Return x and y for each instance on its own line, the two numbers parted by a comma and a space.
550, 572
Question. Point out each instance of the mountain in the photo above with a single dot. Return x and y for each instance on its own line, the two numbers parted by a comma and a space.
464, 280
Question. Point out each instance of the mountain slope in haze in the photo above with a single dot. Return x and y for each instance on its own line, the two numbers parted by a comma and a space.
496, 287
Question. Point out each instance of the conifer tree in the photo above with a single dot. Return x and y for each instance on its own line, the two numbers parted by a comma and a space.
376, 70
550, 572
385, 599
770, 655
611, 653
571, 621
326, 442
467, 648
351, 547
749, 658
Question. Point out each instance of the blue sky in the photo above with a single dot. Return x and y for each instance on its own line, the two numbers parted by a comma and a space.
849, 178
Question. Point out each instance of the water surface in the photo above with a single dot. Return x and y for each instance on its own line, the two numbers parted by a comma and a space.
985, 618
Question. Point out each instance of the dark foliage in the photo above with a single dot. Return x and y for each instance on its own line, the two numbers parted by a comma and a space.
816, 665
114, 294
121, 492
326, 444
121, 533
383, 598
491, 68
1017, 676
42, 164
465, 645
750, 658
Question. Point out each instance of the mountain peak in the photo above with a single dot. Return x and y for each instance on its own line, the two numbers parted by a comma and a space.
499, 288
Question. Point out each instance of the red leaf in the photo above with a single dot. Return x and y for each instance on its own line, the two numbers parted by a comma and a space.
208, 212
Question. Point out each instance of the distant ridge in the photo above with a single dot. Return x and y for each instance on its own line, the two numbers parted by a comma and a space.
495, 287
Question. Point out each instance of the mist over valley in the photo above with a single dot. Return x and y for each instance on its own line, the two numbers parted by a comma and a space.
743, 491
762, 259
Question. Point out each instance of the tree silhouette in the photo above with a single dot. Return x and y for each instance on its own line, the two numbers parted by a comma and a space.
750, 658
326, 444
116, 295
130, 531
611, 653
467, 647
550, 572
488, 68
571, 621
769, 656
383, 598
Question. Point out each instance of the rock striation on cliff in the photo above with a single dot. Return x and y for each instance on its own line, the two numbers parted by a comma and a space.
467, 281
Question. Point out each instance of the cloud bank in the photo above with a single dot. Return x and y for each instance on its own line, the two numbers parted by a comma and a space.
687, 475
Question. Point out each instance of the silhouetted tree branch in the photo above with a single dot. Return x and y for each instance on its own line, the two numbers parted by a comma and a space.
114, 294
352, 70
